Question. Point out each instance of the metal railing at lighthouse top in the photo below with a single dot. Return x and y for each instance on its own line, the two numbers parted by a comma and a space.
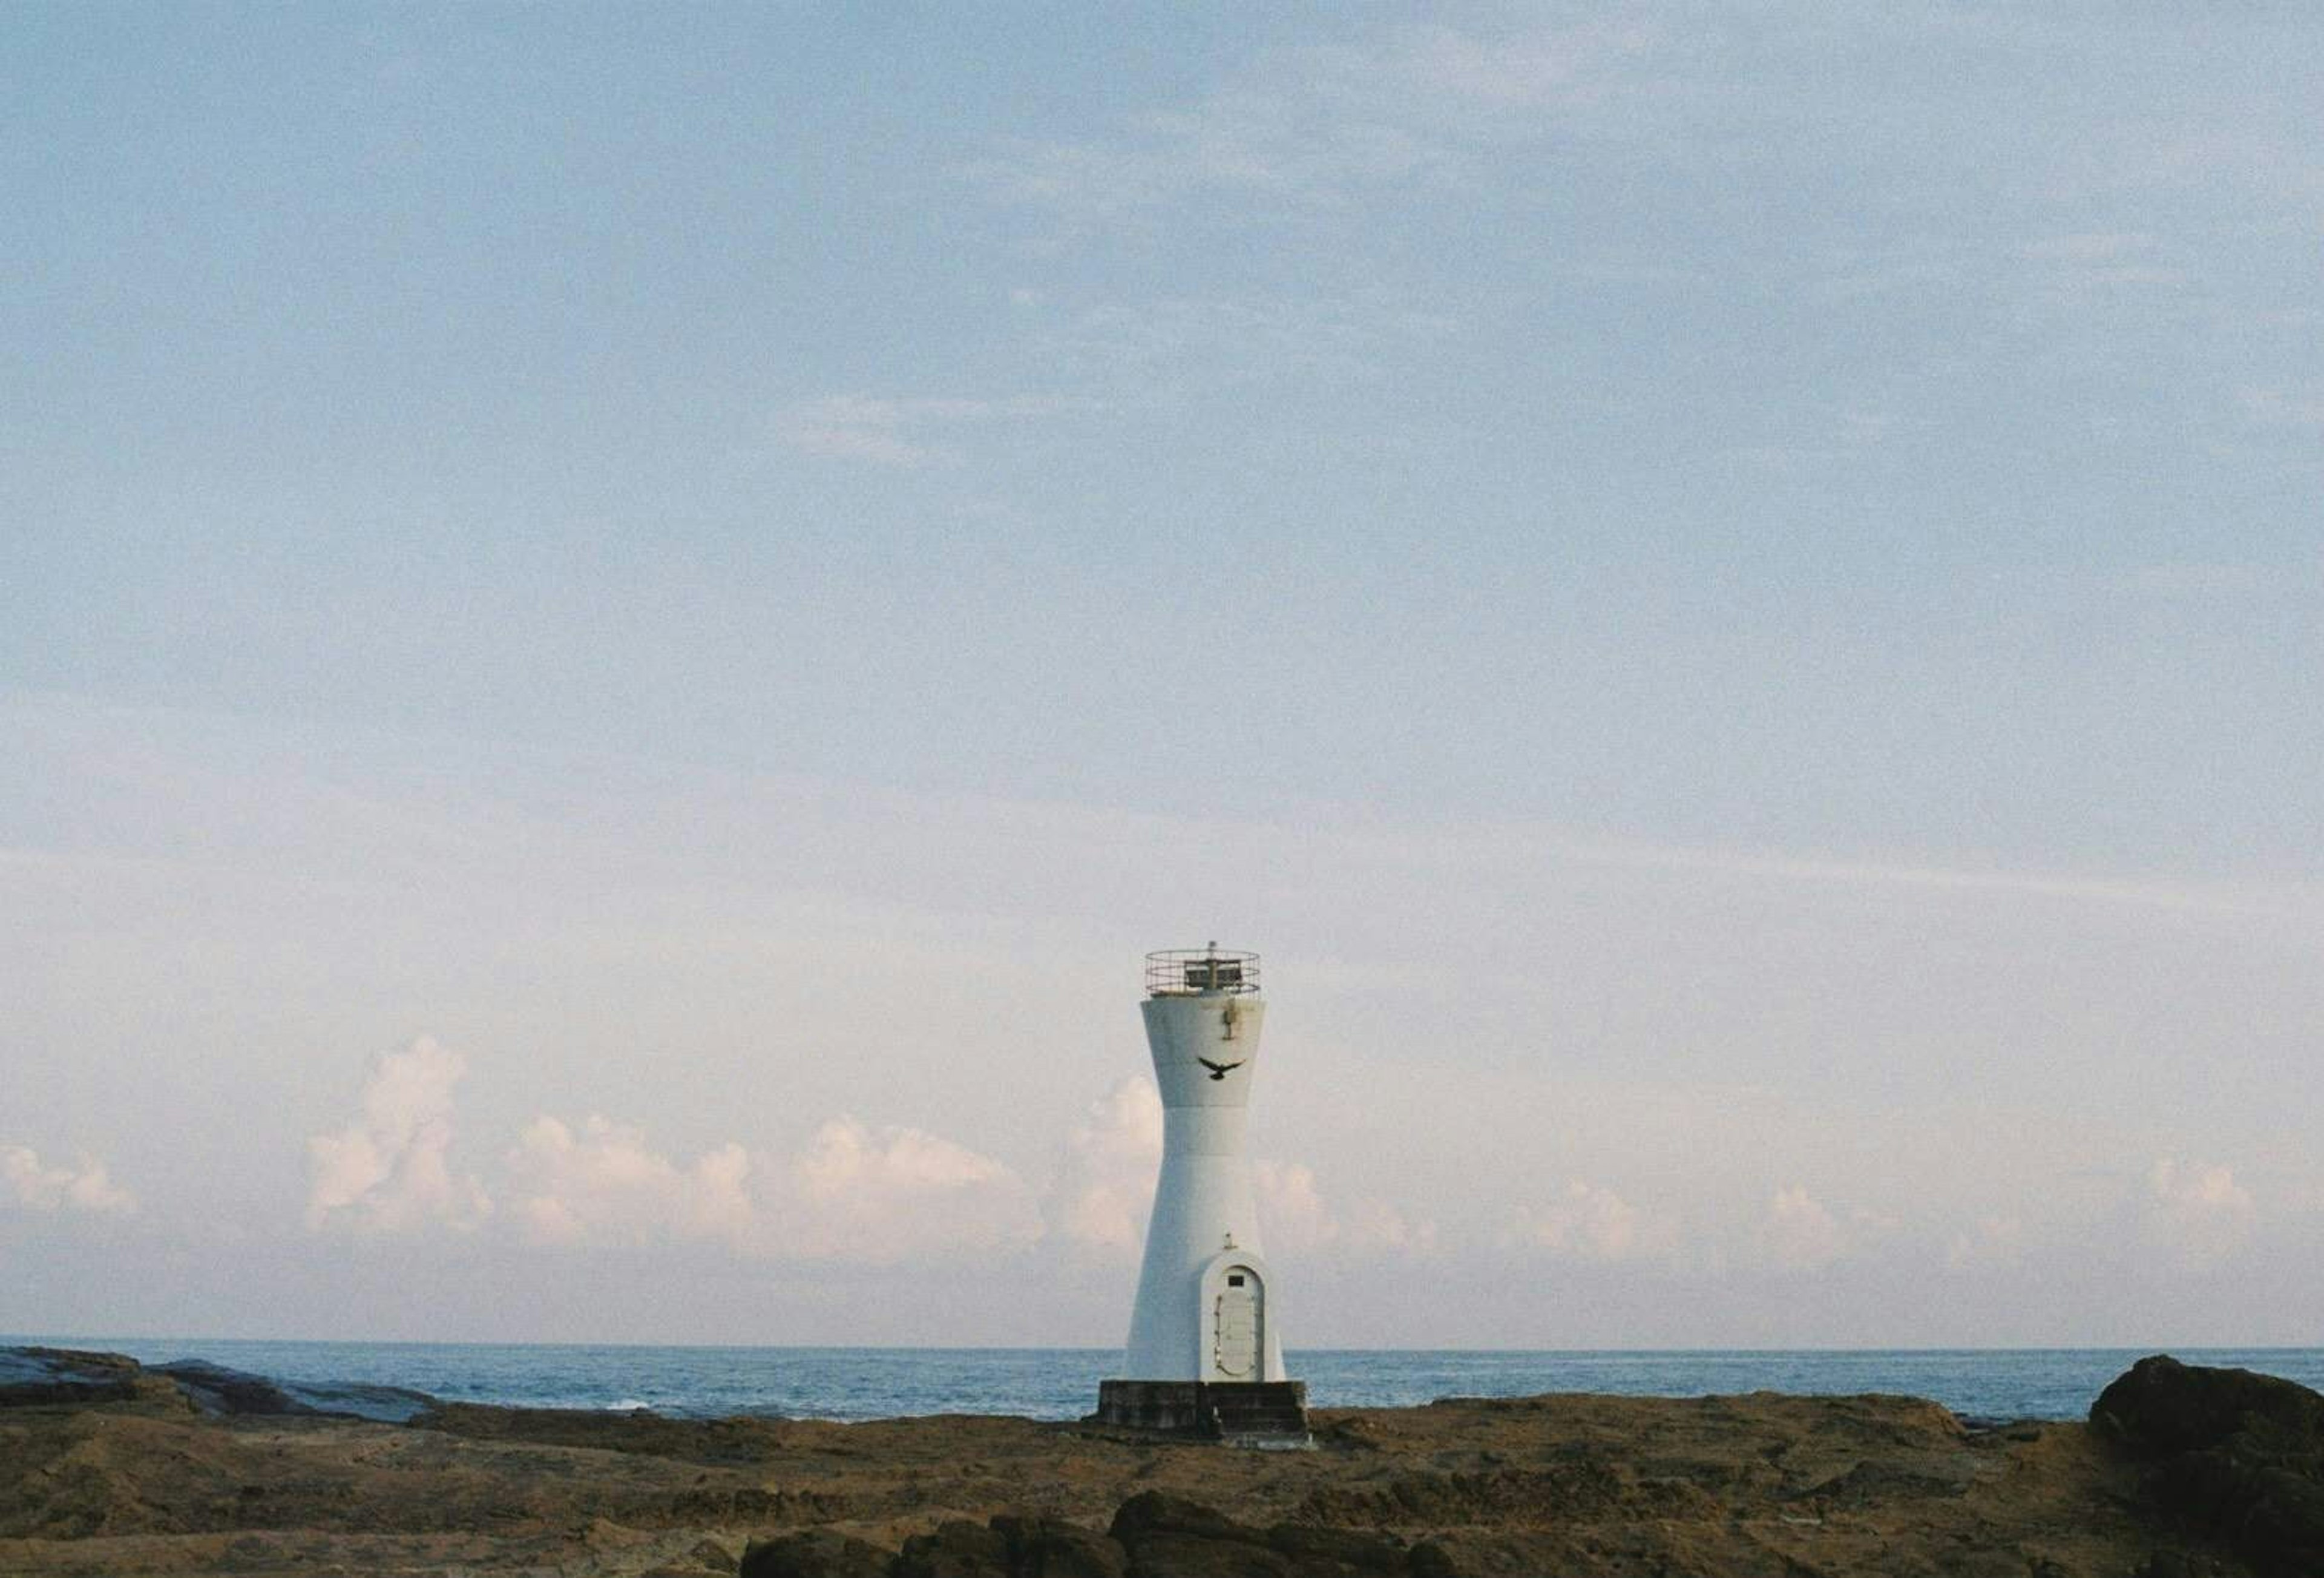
1183, 971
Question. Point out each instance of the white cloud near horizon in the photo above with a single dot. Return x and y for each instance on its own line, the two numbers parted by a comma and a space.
84, 1187
1103, 1189
881, 1195
1588, 1222
388, 1169
1104, 1186
1302, 1216
853, 1194
602, 1184
1991, 1241
1800, 1232
1750, 1019
2196, 1211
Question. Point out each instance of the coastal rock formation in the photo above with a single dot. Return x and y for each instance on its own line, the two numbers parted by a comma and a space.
108, 1466
1152, 1536
30, 1377
2230, 1453
816, 1552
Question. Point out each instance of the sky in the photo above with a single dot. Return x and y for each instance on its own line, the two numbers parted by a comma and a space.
621, 624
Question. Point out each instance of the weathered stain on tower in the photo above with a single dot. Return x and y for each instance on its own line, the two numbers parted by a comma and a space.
1205, 1353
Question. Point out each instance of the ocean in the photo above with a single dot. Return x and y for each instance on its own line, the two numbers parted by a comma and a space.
1061, 1383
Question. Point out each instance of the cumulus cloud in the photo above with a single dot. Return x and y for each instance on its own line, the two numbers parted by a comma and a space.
859, 1192
1800, 1232
85, 1186
605, 1185
853, 1192
1291, 1212
388, 1169
1993, 1240
2196, 1211
1585, 1222
1105, 1186
1376, 1225
1296, 1216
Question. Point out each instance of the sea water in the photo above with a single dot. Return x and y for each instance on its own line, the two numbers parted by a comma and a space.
1061, 1383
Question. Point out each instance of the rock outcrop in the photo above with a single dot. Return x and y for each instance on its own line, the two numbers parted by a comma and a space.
816, 1552
109, 1466
1152, 1536
33, 1377
43, 1377
2232, 1454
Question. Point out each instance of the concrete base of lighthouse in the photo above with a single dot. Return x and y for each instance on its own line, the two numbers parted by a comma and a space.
1240, 1413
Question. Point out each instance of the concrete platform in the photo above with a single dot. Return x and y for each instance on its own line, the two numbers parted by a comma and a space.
1272, 1413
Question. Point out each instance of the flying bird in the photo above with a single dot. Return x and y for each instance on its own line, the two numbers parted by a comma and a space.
1220, 1070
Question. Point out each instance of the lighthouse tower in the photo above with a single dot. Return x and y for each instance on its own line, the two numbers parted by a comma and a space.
1205, 1353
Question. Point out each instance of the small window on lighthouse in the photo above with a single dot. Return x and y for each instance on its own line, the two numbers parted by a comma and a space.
1235, 1280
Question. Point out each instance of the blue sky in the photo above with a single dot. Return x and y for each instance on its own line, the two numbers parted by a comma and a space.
1731, 594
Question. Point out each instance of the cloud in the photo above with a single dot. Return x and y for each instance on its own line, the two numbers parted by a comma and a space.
1376, 1225
1799, 1231
1994, 1240
1104, 1188
896, 433
1298, 1218
853, 1192
1586, 1223
879, 1194
605, 1185
389, 1171
1317, 126
2196, 1211
85, 1188
1291, 1212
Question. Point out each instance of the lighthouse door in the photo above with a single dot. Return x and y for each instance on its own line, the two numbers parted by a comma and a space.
1236, 1325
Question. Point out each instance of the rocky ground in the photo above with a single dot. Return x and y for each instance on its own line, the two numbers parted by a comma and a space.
109, 1468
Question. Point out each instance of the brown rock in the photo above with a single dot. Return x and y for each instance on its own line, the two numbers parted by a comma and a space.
1044, 1547
2235, 1455
2160, 1407
958, 1549
44, 1377
815, 1553
1760, 1486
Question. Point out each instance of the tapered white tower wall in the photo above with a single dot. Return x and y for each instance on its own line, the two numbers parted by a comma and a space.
1208, 1307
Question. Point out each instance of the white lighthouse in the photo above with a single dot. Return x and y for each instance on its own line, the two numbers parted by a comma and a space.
1205, 1353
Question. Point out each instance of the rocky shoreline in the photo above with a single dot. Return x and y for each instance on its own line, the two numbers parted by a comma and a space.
107, 1466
